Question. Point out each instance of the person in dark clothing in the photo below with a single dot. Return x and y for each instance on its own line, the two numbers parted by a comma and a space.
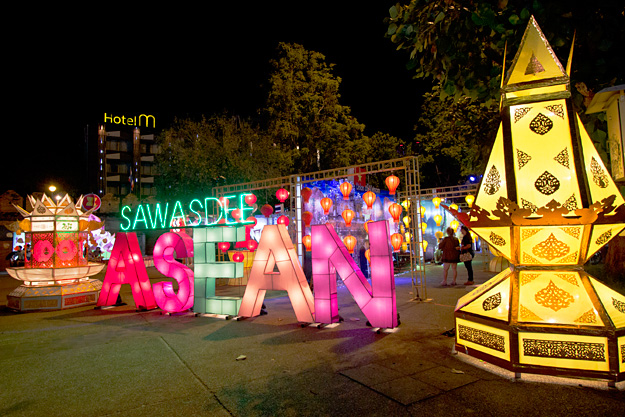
451, 255
467, 247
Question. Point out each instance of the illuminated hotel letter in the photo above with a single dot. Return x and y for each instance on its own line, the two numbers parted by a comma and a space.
147, 120
126, 267
117, 120
276, 248
108, 119
329, 256
164, 261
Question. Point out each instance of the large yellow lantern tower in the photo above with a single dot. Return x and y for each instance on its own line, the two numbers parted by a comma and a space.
547, 203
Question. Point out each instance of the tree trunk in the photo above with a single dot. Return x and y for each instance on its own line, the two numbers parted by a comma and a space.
615, 258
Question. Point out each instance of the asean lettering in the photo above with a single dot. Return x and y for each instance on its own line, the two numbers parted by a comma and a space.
131, 121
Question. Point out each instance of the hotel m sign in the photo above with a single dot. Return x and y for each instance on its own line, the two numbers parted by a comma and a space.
131, 121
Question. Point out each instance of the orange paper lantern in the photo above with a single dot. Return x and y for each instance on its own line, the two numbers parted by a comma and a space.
369, 198
307, 216
368, 255
396, 241
350, 243
367, 225
282, 195
392, 182
438, 219
436, 201
306, 193
395, 210
346, 188
326, 204
422, 210
307, 241
348, 216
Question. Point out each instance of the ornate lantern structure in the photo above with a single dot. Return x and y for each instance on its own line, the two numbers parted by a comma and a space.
547, 204
57, 274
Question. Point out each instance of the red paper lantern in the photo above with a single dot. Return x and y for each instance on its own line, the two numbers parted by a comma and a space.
392, 182
346, 188
307, 241
252, 245
238, 257
224, 202
266, 210
251, 219
306, 193
283, 220
348, 216
282, 195
236, 214
367, 225
350, 243
395, 210
250, 199
307, 216
223, 246
369, 198
396, 241
326, 204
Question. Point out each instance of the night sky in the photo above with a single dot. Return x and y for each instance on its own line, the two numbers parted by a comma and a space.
183, 62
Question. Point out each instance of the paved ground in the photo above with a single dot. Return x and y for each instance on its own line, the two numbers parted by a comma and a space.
83, 362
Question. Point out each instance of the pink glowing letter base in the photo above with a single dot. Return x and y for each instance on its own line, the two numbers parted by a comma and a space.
164, 261
329, 256
276, 248
126, 267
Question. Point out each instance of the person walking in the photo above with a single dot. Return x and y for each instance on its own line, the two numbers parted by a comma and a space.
451, 255
466, 253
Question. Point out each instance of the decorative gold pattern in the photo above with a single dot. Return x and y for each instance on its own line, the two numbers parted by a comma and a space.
563, 157
527, 259
604, 237
547, 184
570, 203
526, 314
520, 112
527, 233
570, 278
522, 158
564, 350
587, 317
492, 181
496, 239
534, 66
572, 231
572, 258
553, 297
623, 353
598, 176
529, 205
551, 248
541, 124
557, 109
482, 337
526, 278
619, 305
492, 302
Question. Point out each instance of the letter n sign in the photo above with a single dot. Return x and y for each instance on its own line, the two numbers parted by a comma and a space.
330, 256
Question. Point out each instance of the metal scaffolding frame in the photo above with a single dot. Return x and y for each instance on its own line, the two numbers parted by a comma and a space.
410, 190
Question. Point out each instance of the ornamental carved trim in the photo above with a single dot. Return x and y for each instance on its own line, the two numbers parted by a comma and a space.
553, 297
558, 349
551, 248
482, 338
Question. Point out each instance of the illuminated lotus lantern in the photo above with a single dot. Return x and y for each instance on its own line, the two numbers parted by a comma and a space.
546, 204
56, 275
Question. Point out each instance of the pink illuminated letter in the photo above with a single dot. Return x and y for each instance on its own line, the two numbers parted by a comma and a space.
329, 256
126, 267
164, 261
276, 248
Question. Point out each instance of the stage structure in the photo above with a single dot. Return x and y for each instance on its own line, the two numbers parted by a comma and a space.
296, 185
57, 274
547, 204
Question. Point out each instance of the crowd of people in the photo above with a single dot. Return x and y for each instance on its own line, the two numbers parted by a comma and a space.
452, 251
17, 256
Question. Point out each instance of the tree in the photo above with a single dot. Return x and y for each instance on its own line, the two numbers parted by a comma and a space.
303, 111
197, 156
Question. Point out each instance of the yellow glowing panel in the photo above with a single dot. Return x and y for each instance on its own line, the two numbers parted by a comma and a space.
493, 184
498, 237
494, 303
543, 155
487, 339
550, 245
613, 302
621, 353
599, 181
556, 297
602, 234
535, 91
535, 59
467, 298
563, 350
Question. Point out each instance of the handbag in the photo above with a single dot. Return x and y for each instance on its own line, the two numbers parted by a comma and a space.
465, 257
